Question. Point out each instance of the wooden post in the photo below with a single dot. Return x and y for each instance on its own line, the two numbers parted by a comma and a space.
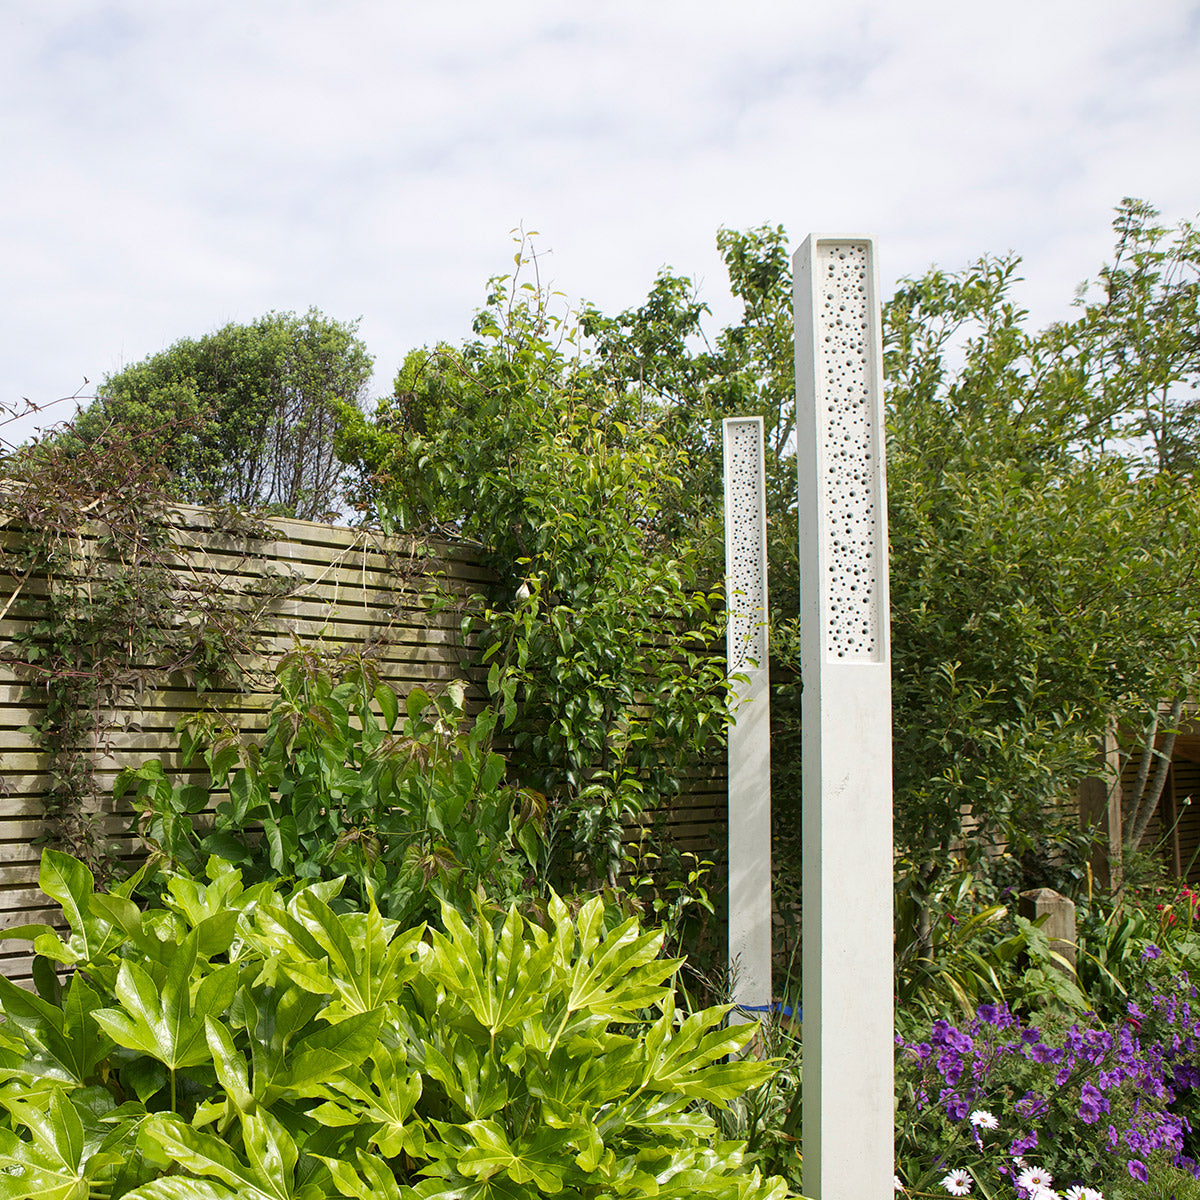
847, 763
1094, 812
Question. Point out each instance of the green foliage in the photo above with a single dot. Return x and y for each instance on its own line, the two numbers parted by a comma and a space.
1039, 556
1142, 340
957, 949
767, 1117
249, 1042
245, 415
1036, 573
401, 794
599, 643
609, 660
683, 383
1135, 945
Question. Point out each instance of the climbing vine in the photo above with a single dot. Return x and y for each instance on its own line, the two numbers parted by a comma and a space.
106, 607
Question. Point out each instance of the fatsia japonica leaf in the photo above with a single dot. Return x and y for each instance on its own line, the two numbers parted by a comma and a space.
331, 1047
230, 1063
482, 1150
69, 882
384, 1092
617, 975
689, 1059
63, 1042
499, 980
271, 1154
474, 1081
166, 1023
372, 1181
59, 1160
356, 957
172, 1187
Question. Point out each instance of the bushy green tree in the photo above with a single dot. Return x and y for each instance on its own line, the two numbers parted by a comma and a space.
1141, 330
1040, 507
245, 415
1035, 573
599, 638
1040, 502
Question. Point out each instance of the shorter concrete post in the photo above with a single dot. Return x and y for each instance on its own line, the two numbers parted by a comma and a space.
750, 730
1060, 920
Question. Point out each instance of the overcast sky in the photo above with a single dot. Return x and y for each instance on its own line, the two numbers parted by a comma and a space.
170, 166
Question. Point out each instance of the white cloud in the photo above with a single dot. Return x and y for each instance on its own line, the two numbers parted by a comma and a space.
171, 167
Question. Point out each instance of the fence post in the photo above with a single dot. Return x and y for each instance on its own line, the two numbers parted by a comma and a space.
846, 713
750, 730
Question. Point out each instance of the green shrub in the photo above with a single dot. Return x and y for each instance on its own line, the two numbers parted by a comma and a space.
246, 1042
957, 949
402, 795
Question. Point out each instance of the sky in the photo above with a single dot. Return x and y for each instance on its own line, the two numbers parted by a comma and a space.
170, 166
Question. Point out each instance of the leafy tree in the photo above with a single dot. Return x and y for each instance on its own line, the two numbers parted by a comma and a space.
1034, 574
1040, 510
243, 416
1143, 337
597, 637
1037, 558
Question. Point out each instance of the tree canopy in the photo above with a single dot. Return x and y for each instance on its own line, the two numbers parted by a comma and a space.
245, 415
1042, 495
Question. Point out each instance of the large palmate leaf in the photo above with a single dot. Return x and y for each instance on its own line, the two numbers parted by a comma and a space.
267, 1173
373, 1180
481, 1150
172, 1187
689, 1058
384, 1091
168, 1024
616, 976
63, 1042
500, 980
354, 957
475, 1082
59, 1160
69, 882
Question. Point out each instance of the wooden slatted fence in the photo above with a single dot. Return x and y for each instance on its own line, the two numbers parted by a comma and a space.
343, 591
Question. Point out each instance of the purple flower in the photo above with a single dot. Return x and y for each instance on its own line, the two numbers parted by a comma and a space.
1151, 952
1092, 1104
1023, 1145
992, 1014
1185, 1076
1138, 1170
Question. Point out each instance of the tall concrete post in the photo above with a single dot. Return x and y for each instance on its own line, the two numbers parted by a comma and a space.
750, 732
846, 714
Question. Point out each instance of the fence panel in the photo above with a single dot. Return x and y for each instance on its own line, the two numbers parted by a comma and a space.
347, 591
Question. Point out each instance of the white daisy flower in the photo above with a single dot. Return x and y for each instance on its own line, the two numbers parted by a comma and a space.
1033, 1179
1079, 1192
1046, 1194
957, 1183
982, 1119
